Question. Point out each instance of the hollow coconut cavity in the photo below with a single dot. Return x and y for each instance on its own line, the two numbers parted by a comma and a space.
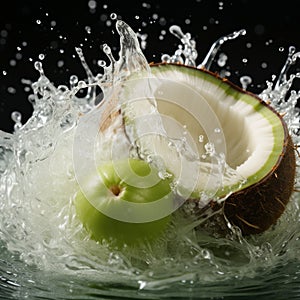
174, 101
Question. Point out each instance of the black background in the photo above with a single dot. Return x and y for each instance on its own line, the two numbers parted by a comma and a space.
27, 30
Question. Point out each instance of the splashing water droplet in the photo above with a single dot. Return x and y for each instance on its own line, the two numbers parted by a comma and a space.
39, 67
47, 136
222, 60
245, 81
73, 80
113, 16
186, 53
16, 116
206, 63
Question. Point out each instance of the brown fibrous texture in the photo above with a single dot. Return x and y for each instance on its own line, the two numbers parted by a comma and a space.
259, 206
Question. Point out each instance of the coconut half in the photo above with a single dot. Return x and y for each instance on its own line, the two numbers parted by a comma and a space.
177, 101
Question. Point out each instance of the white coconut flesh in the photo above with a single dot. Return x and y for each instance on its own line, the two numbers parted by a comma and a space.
179, 101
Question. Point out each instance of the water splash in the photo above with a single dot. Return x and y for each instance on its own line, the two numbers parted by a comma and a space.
187, 53
206, 63
44, 231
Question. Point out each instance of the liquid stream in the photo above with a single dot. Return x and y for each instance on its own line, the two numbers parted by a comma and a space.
39, 226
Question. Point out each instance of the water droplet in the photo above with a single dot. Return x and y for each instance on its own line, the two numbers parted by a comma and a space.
11, 90
106, 49
176, 30
222, 60
4, 33
16, 116
12, 62
73, 80
92, 4
39, 66
113, 16
82, 84
206, 254
155, 16
264, 65
60, 63
210, 148
41, 56
146, 5
88, 29
245, 81
19, 56
165, 58
101, 63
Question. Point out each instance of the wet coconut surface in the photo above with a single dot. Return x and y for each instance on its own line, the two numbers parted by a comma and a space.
44, 250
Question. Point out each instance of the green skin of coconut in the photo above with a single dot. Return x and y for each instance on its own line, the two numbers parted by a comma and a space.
118, 233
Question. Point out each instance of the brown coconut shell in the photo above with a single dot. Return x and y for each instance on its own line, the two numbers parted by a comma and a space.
257, 207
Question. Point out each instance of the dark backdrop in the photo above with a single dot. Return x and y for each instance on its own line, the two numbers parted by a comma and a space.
55, 28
